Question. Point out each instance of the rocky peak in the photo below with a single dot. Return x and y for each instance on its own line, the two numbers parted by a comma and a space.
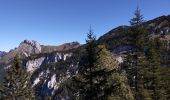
25, 49
72, 43
31, 43
29, 47
2, 53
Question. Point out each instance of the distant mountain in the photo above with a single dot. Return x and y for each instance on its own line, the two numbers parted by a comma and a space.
2, 53
31, 47
25, 49
36, 56
63, 47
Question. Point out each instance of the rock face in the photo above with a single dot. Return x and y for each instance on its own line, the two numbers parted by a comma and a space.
49, 71
34, 64
123, 49
28, 47
25, 49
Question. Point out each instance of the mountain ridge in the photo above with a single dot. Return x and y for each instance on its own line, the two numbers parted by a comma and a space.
54, 64
30, 47
117, 37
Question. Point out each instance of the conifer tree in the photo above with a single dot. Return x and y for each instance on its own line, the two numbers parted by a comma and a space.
153, 77
16, 85
137, 19
98, 77
138, 31
132, 60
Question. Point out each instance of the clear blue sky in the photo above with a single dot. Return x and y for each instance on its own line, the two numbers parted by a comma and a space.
55, 22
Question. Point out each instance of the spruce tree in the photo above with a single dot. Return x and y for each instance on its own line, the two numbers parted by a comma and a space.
136, 33
137, 19
98, 77
16, 84
132, 61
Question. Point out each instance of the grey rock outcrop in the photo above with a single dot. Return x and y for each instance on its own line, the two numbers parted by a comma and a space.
28, 47
2, 53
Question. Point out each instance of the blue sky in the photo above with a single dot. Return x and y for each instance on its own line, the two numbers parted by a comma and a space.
55, 22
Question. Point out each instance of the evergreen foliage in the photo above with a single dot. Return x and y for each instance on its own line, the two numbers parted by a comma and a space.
152, 82
16, 85
137, 19
98, 77
137, 33
154, 79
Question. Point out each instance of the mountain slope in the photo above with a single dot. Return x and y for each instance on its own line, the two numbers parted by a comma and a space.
50, 71
43, 62
117, 40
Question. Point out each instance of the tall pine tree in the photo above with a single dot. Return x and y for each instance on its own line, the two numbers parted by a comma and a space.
98, 77
132, 60
137, 19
